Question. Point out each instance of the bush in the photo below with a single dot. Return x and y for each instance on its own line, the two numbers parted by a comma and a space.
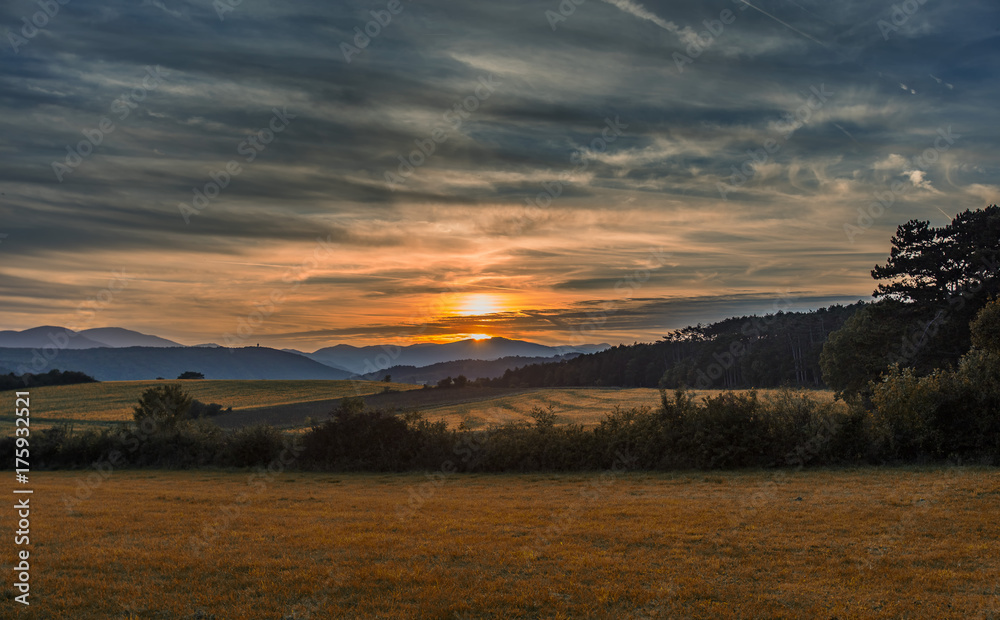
253, 446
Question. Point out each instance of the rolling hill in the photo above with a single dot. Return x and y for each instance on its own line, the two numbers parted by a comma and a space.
64, 338
136, 363
471, 369
363, 360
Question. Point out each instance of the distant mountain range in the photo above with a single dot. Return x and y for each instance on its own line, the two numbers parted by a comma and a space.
135, 363
471, 369
364, 360
62, 338
114, 353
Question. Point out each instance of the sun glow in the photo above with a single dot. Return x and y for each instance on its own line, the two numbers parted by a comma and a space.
478, 304
479, 336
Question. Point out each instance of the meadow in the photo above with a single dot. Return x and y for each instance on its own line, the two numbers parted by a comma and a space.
100, 404
291, 404
854, 543
585, 405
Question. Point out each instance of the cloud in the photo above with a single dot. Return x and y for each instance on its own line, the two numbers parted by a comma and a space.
522, 194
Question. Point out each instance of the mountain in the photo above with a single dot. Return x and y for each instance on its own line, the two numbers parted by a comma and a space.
118, 337
363, 360
471, 369
63, 338
135, 363
47, 336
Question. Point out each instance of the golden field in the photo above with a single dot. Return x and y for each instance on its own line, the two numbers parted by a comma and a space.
860, 543
585, 405
97, 404
288, 404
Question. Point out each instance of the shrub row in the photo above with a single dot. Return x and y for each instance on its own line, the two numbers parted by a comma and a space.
908, 422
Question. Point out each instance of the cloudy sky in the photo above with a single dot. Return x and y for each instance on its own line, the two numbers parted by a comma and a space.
243, 172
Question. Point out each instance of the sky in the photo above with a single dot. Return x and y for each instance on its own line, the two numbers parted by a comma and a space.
303, 174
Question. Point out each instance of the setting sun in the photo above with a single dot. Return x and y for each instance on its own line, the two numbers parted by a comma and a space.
479, 336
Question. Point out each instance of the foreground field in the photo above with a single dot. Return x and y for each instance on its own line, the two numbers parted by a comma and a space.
96, 404
904, 543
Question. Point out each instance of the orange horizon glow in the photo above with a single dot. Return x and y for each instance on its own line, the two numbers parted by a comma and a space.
478, 304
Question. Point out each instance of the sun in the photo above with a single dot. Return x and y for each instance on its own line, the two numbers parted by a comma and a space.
478, 304
479, 336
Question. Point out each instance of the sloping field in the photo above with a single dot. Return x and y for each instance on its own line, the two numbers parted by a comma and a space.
291, 416
475, 407
94, 404
585, 406
847, 544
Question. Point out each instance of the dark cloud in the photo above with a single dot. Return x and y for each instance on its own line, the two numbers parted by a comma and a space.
478, 200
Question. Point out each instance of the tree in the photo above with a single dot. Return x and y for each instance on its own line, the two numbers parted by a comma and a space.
986, 328
387, 379
461, 381
930, 288
444, 383
932, 265
190, 374
862, 349
166, 406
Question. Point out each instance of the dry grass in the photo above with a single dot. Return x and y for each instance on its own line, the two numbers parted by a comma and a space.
96, 404
586, 406
869, 543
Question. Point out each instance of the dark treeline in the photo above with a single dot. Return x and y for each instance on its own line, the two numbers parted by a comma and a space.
742, 352
950, 414
11, 381
731, 430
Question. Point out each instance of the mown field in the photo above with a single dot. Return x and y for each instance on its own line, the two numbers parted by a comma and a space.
290, 404
865, 543
96, 404
585, 406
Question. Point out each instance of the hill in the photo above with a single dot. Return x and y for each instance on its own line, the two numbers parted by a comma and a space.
740, 352
470, 368
100, 404
47, 336
118, 337
137, 363
363, 360
64, 338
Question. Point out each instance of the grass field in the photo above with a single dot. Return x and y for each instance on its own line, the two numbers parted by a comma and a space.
95, 404
288, 404
585, 406
867, 543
